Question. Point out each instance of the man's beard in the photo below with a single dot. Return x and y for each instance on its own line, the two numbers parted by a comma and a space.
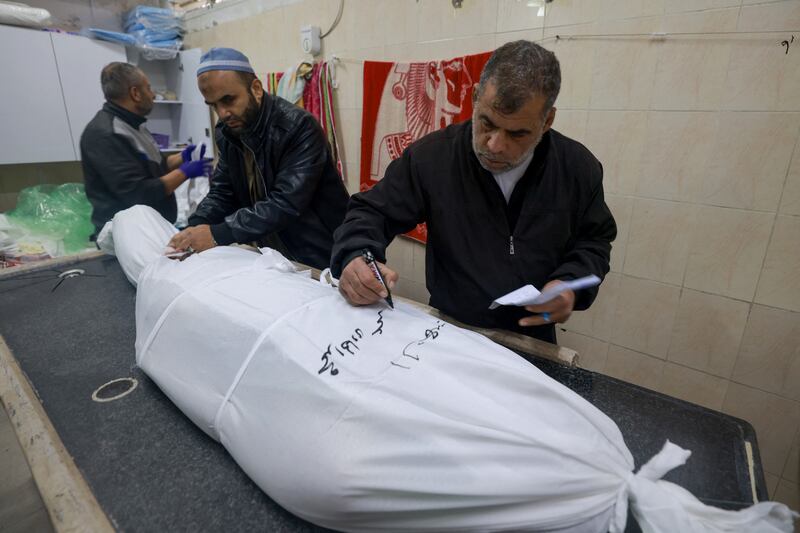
248, 118
508, 166
144, 110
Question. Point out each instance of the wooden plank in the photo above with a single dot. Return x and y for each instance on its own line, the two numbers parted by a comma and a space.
748, 448
50, 263
65, 493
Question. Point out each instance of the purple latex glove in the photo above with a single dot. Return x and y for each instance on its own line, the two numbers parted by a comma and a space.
186, 153
201, 167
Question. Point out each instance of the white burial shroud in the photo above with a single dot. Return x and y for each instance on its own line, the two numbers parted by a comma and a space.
368, 419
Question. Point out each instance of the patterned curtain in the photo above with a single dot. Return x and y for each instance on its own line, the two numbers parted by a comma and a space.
406, 101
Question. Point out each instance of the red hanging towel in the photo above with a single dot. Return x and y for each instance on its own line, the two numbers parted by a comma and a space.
311, 92
270, 82
327, 114
318, 100
405, 101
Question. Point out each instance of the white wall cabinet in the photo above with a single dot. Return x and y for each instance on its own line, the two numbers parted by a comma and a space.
51, 90
32, 114
79, 61
187, 119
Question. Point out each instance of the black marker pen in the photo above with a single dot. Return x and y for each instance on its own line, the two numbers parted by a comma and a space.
370, 260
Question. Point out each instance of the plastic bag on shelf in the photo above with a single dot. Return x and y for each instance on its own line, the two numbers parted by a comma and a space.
155, 37
18, 14
153, 52
153, 18
55, 213
157, 31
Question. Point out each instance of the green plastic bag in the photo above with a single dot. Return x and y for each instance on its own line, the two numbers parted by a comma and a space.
60, 212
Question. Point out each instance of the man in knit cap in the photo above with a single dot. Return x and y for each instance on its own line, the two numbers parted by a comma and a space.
275, 182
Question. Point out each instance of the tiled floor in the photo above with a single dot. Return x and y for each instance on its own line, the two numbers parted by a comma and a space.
21, 507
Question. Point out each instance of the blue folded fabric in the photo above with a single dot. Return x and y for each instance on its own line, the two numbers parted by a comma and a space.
170, 43
150, 36
150, 11
154, 19
112, 36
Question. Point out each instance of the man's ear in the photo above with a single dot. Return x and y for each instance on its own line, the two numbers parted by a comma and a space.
135, 93
257, 89
548, 122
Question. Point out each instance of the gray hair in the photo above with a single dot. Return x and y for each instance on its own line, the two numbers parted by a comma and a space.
520, 70
117, 78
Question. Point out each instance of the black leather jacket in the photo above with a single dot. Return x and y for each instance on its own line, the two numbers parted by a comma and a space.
303, 199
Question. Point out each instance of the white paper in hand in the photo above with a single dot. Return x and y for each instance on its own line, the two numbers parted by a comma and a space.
530, 295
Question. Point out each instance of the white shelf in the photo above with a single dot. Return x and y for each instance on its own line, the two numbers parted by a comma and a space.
187, 117
172, 149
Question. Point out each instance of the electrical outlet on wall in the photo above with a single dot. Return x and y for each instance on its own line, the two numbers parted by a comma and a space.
309, 40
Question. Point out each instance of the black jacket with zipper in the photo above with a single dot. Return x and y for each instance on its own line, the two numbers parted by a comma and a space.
556, 225
302, 197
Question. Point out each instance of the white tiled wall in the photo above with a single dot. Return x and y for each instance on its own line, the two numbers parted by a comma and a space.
698, 136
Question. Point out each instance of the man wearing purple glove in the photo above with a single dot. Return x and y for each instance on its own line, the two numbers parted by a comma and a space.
122, 165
